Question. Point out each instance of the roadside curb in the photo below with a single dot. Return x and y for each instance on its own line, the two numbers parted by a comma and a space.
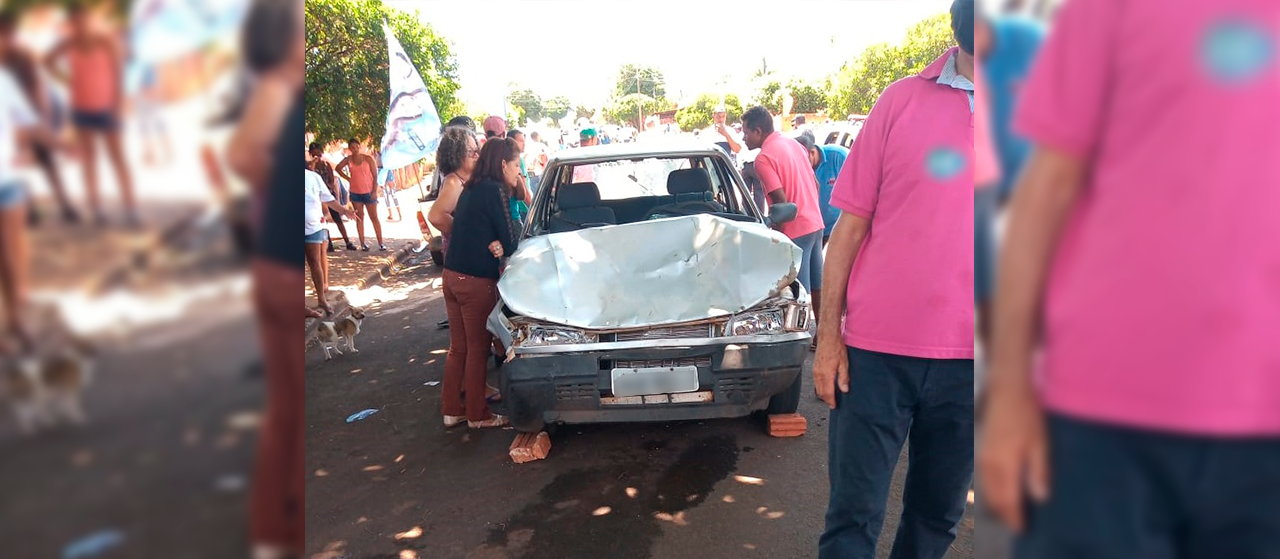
386, 268
341, 307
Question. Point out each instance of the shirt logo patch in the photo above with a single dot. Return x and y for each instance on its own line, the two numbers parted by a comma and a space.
944, 163
1235, 51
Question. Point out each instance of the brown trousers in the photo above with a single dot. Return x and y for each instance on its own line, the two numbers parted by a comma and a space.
279, 479
469, 300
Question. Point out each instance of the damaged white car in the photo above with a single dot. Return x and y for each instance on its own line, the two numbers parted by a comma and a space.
649, 287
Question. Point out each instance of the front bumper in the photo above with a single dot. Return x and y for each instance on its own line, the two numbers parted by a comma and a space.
736, 376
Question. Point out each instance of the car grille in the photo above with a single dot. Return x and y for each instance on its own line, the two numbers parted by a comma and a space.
735, 387
576, 391
656, 363
670, 333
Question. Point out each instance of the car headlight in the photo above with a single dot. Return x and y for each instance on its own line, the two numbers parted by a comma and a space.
750, 324
550, 335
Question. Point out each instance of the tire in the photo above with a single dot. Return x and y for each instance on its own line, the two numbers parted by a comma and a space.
437, 257
787, 401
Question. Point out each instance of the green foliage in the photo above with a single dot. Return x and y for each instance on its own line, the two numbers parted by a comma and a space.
347, 68
628, 109
769, 95
857, 85
526, 104
808, 97
557, 107
646, 80
583, 111
698, 115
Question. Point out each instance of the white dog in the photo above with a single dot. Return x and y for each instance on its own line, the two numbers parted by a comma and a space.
331, 333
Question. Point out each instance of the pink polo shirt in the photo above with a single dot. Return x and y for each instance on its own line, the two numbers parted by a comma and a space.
1162, 308
784, 164
910, 172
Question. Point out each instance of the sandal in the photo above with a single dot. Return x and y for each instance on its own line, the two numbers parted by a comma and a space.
454, 420
491, 394
383, 248
351, 245
495, 421
364, 248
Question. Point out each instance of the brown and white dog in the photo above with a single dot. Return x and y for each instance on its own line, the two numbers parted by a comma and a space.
331, 333
45, 388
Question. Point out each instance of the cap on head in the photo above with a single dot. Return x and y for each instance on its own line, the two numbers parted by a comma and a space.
587, 133
799, 119
495, 125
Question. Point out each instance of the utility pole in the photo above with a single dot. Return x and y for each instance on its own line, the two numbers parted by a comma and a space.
639, 103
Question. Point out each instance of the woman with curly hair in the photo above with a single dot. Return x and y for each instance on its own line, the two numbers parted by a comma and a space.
455, 161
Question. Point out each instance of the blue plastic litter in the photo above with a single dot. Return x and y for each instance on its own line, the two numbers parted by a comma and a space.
93, 544
361, 415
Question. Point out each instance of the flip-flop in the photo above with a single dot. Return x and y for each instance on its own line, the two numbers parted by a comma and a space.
492, 395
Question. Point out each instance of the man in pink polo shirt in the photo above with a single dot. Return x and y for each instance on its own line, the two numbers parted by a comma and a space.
1134, 393
784, 171
904, 367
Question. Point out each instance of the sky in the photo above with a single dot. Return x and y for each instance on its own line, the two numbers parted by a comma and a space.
575, 47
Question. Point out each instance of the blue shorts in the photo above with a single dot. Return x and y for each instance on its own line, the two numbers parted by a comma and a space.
97, 121
370, 198
319, 237
810, 261
984, 243
12, 195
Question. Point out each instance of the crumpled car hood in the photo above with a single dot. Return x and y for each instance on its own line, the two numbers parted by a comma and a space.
648, 273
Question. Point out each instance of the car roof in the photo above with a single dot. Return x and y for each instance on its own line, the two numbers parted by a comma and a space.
658, 148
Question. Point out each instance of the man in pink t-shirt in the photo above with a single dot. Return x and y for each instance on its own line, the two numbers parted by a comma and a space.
785, 174
1134, 393
904, 368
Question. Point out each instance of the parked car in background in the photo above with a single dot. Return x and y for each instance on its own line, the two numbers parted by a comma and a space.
648, 286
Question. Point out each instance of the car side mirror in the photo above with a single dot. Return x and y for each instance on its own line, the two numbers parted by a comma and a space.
781, 213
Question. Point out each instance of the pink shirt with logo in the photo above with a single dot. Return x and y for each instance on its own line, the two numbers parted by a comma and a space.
784, 164
910, 172
1162, 307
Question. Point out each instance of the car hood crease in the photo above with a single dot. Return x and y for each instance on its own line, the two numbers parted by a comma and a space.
650, 273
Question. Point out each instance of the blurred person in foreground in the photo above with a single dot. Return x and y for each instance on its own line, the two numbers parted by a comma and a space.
24, 67
94, 73
483, 234
1134, 394
260, 150
827, 160
785, 174
536, 159
19, 130
904, 368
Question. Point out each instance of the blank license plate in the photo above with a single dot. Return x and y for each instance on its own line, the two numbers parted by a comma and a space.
654, 380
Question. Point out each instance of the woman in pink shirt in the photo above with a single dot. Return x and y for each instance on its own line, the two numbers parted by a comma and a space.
96, 80
360, 171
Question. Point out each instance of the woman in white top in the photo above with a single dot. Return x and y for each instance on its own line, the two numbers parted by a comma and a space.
19, 123
316, 198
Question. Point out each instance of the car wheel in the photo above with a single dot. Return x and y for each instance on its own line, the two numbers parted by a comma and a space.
787, 401
438, 258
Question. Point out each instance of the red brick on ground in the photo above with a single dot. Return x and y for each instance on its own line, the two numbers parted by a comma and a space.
788, 425
530, 446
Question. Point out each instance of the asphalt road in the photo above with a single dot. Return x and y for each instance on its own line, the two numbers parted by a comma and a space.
399, 485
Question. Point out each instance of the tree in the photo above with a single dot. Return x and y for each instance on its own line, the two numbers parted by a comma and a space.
646, 80
347, 69
808, 97
528, 103
699, 114
769, 95
628, 109
556, 107
582, 111
859, 83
